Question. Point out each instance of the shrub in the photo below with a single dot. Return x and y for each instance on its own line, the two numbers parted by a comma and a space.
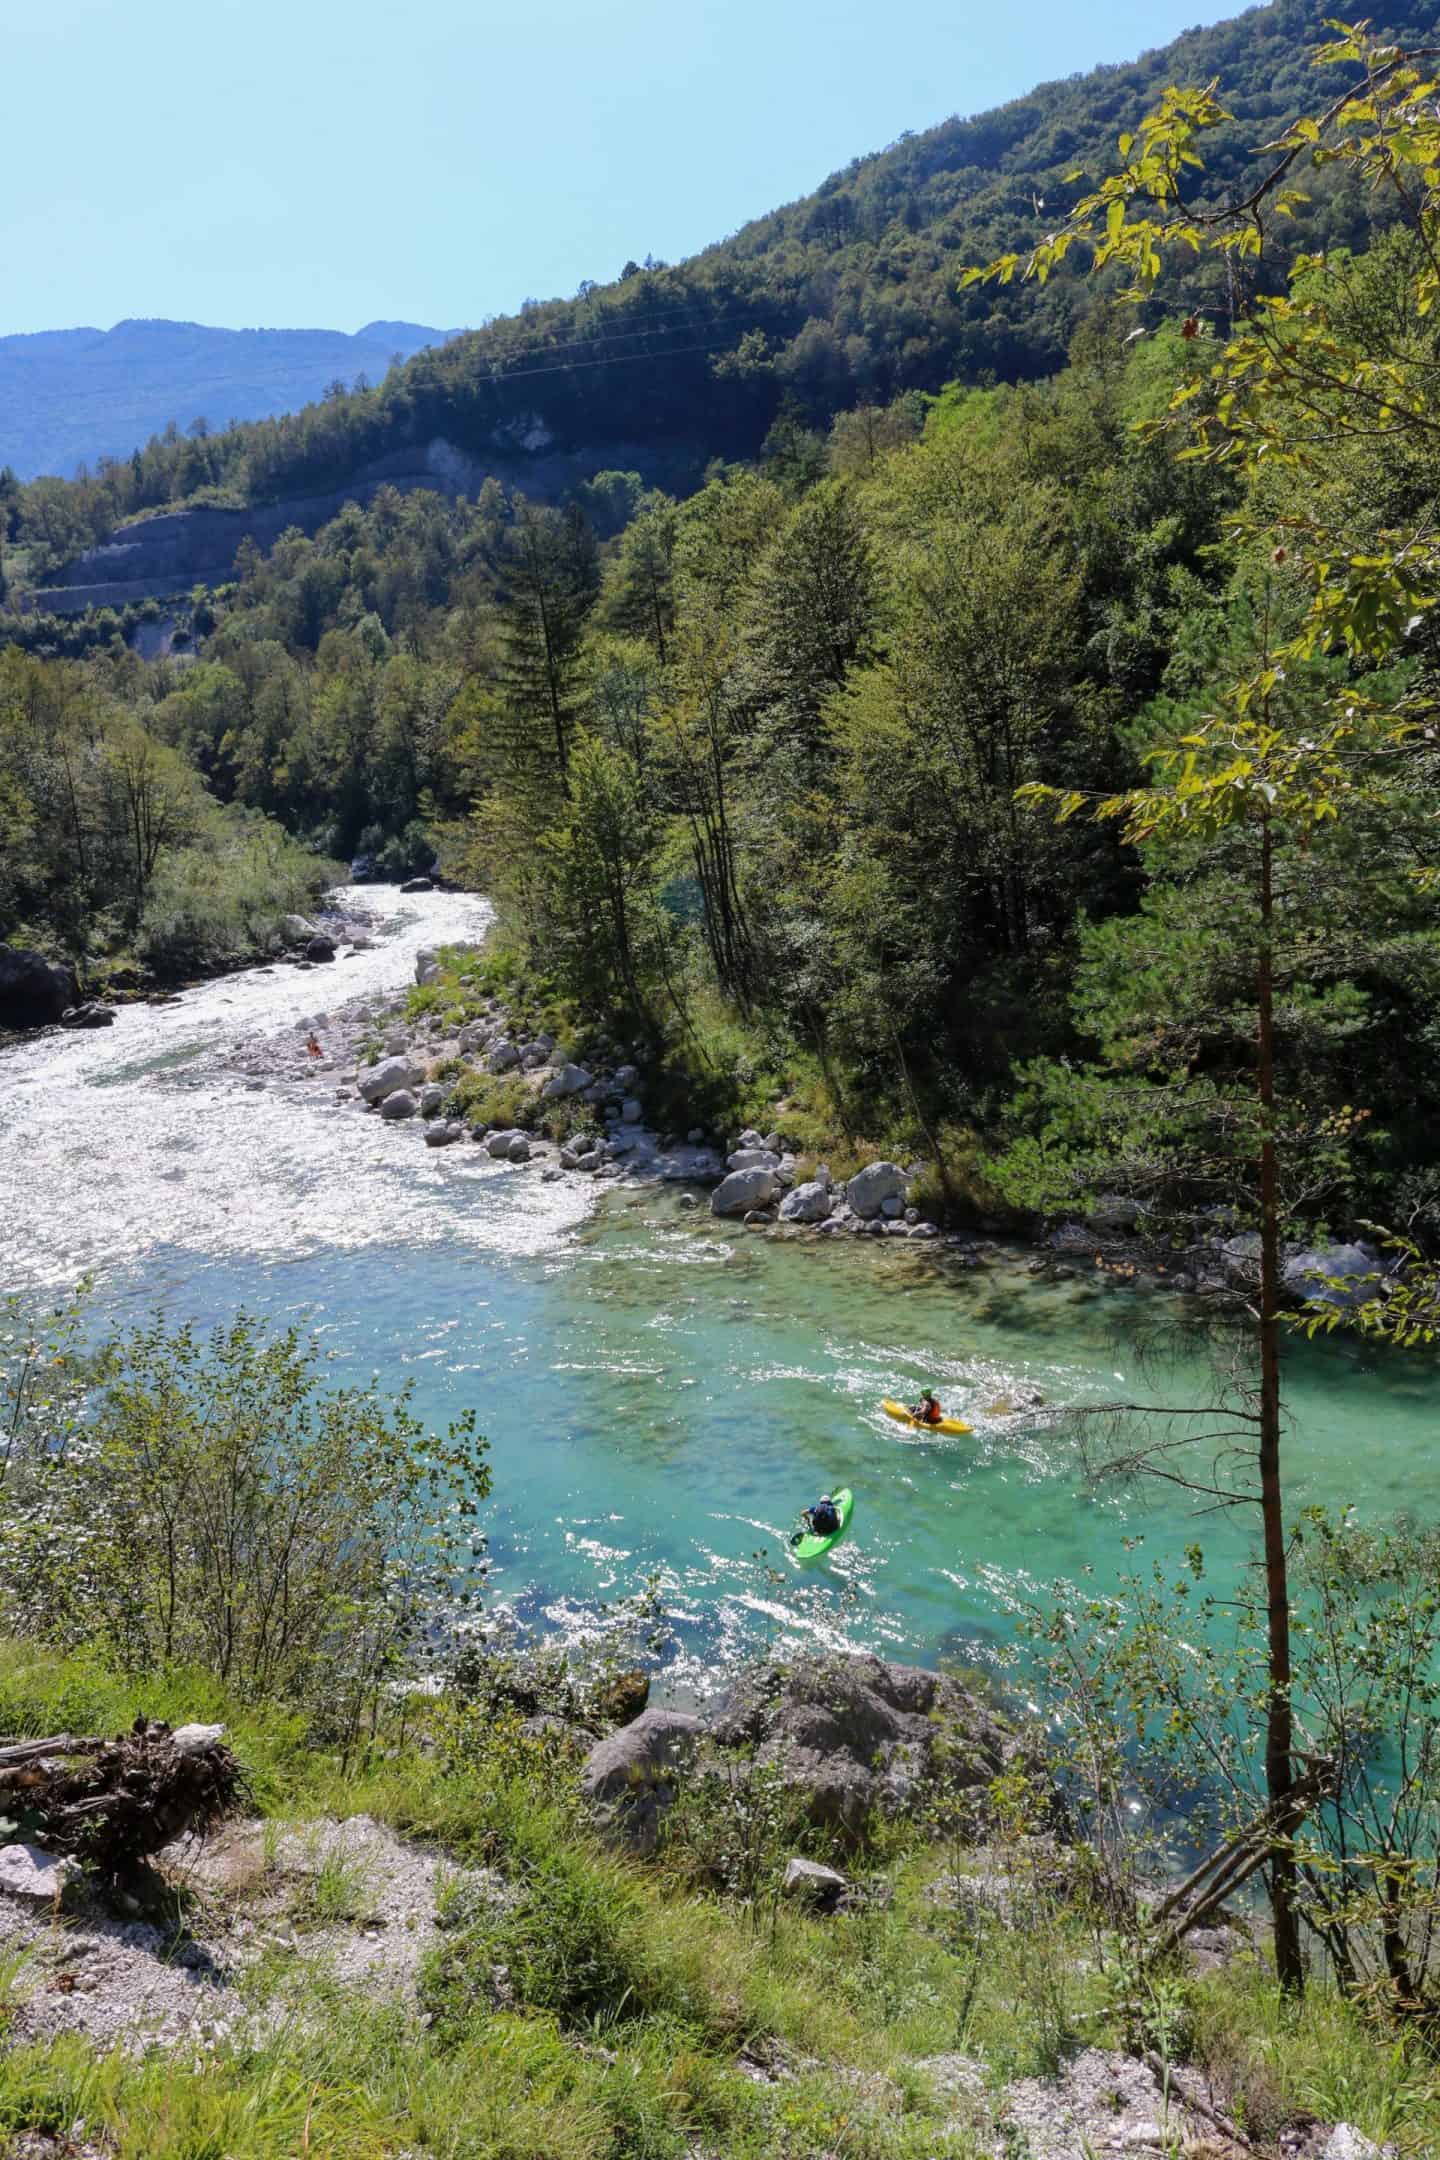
483, 1099
212, 1504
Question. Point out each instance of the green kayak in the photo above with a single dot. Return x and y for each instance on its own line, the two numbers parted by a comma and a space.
810, 1547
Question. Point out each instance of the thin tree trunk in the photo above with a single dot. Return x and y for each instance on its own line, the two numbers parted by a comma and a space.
1279, 1723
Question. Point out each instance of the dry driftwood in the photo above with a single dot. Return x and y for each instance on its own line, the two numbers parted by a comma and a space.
115, 1802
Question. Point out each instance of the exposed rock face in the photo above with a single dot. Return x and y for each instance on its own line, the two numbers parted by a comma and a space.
743, 1190
34, 991
630, 1777
871, 1187
857, 1735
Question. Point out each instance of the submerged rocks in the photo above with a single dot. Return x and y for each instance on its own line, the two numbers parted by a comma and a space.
34, 991
870, 1188
744, 1190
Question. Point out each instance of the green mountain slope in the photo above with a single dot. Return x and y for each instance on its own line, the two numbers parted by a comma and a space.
847, 296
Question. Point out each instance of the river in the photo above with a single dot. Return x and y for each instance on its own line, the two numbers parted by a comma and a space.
661, 1391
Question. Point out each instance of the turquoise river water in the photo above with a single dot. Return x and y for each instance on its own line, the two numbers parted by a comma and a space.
661, 1391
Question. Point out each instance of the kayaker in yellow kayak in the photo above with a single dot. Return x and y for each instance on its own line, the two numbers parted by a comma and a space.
928, 1411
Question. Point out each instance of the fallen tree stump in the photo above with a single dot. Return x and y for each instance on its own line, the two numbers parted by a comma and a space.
115, 1803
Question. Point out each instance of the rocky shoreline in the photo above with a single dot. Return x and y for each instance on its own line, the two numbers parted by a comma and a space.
585, 1121
588, 1122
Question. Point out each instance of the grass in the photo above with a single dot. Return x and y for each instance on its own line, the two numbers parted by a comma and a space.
606, 2009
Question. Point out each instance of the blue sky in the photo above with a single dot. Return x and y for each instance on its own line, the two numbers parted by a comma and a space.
251, 162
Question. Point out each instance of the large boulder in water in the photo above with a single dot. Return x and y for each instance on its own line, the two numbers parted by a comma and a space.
744, 1190
630, 1777
34, 991
871, 1187
858, 1736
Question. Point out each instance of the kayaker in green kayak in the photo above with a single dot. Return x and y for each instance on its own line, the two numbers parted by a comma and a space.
822, 1520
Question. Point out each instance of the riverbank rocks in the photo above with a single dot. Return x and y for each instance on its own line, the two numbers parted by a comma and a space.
856, 1735
569, 1080
90, 1015
320, 947
400, 1103
431, 1099
1340, 1275
752, 1158
34, 991
444, 1132
743, 1191
870, 1189
809, 1203
418, 884
297, 929
630, 1778
504, 1057
386, 1078
500, 1143
427, 969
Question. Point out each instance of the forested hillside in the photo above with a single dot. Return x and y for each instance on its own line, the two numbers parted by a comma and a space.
71, 397
743, 768
849, 296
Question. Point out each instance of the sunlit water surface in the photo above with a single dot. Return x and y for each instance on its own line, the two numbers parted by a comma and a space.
661, 1391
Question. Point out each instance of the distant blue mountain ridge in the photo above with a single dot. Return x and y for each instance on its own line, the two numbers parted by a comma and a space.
70, 397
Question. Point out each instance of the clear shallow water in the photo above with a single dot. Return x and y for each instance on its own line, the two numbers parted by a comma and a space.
661, 1392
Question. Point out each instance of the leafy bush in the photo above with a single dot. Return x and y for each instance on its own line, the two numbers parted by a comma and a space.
483, 1099
212, 1504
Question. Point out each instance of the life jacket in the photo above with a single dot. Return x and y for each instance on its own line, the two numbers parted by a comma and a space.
825, 1517
931, 1413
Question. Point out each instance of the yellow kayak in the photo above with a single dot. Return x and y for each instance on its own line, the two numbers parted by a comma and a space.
903, 1416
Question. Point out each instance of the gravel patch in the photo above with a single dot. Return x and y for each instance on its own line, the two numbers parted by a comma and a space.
1108, 2105
348, 1899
